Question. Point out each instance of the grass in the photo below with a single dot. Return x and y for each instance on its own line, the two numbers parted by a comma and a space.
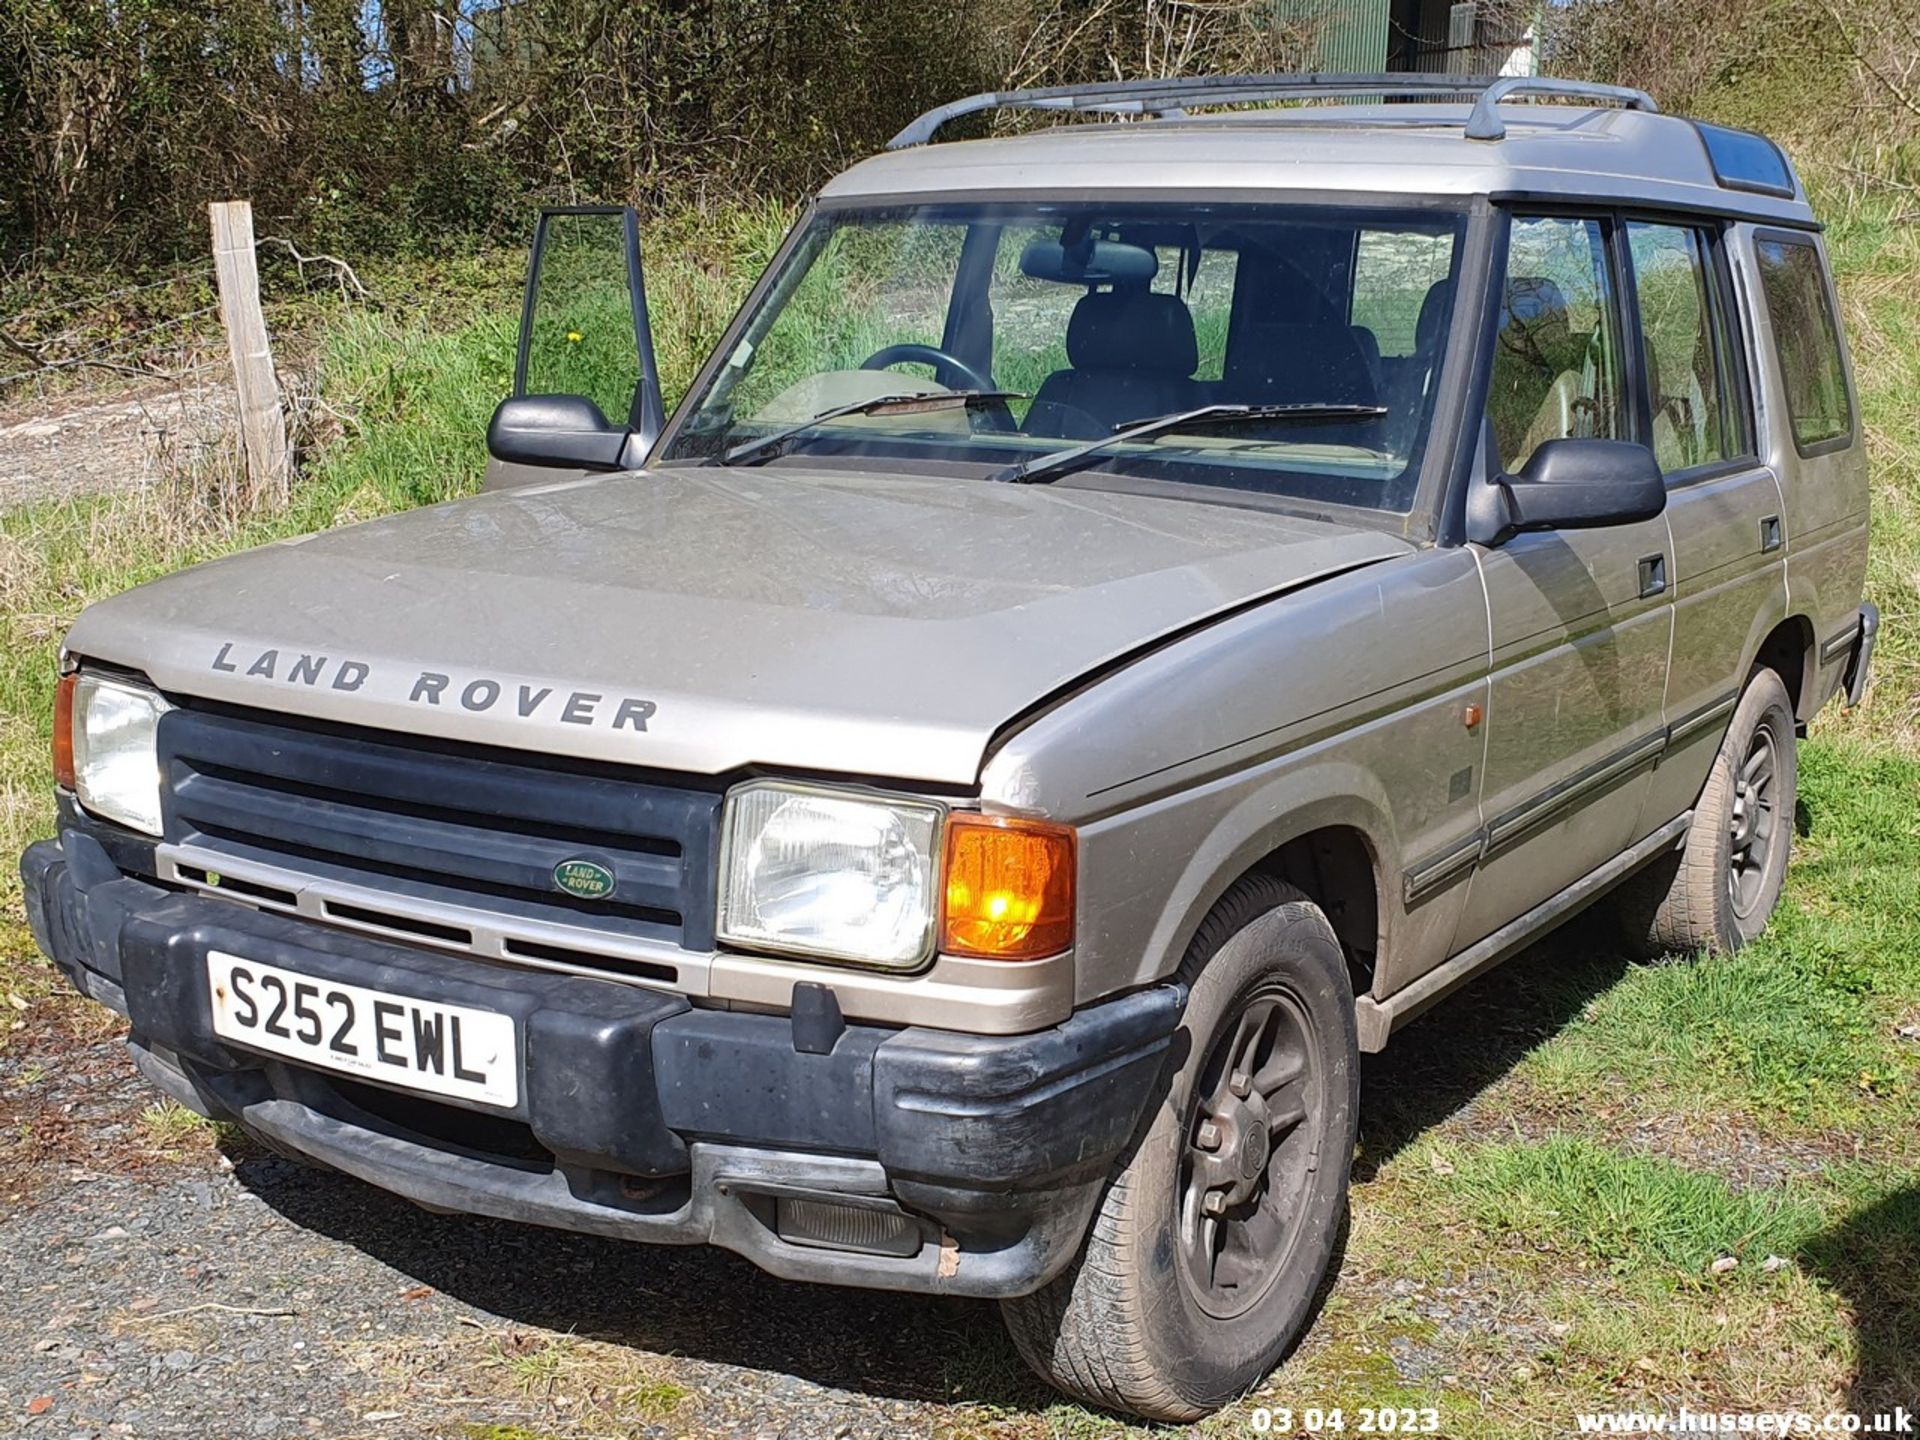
1551, 1165
1630, 1213
1801, 1029
169, 1125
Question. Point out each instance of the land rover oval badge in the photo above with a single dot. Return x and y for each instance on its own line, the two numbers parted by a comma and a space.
583, 879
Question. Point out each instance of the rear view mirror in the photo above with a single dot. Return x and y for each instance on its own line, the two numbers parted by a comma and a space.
1570, 484
585, 352
1092, 262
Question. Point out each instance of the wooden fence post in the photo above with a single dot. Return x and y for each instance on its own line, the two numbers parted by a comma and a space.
263, 428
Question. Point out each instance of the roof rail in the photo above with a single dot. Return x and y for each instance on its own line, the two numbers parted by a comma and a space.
1173, 97
1485, 122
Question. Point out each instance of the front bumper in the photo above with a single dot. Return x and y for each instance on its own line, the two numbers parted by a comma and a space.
946, 1163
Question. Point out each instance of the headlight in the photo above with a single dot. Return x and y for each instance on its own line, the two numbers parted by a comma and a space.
116, 768
830, 874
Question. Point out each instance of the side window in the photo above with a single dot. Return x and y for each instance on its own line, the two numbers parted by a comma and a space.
1556, 358
1208, 290
1395, 275
1807, 339
1030, 315
581, 340
1685, 347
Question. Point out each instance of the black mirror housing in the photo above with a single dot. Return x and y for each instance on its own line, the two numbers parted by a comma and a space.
562, 431
1571, 484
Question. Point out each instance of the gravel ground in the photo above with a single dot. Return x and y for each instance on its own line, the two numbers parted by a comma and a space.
160, 1285
212, 1294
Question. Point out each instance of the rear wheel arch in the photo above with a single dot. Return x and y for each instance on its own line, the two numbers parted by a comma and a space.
1787, 650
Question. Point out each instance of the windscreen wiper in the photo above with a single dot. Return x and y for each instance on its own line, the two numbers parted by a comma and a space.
1043, 468
767, 446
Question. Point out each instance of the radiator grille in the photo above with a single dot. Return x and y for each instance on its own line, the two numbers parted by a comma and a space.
445, 823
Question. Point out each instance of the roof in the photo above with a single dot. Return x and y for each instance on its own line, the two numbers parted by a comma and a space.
1557, 150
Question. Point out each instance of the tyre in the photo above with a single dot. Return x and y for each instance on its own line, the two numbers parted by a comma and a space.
1208, 1248
1716, 893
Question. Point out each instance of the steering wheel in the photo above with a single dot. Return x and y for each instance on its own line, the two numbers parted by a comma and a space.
948, 368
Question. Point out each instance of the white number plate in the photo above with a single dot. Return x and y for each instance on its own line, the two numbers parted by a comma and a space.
420, 1044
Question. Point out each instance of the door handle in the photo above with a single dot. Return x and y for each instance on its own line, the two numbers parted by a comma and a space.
1653, 576
1770, 534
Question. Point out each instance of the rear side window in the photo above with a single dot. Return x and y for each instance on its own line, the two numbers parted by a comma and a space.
1806, 338
1686, 350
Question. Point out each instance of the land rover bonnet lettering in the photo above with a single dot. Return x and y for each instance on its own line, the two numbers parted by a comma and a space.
475, 693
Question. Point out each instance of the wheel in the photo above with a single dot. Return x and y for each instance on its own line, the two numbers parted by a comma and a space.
1218, 1225
1717, 891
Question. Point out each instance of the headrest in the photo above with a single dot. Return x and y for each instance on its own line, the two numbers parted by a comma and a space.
1132, 330
1368, 343
1537, 308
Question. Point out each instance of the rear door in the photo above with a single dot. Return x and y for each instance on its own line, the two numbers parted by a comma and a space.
1581, 619
1723, 504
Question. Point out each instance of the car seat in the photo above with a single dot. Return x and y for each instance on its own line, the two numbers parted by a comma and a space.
1133, 354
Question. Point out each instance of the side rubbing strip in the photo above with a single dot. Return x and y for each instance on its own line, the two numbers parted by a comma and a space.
1527, 817
1430, 874
1693, 723
1425, 876
1839, 645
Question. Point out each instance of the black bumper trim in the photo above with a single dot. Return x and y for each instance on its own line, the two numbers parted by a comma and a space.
653, 1120
1859, 669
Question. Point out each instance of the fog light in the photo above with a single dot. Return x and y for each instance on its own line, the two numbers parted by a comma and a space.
847, 1227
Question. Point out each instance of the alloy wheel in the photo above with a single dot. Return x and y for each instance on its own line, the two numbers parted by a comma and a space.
1252, 1146
1753, 822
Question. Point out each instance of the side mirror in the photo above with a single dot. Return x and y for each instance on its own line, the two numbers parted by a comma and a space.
586, 393
1570, 484
565, 431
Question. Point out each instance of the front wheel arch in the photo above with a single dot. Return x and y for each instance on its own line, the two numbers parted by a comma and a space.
1123, 1327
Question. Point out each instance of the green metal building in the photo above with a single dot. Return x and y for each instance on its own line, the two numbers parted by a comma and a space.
1357, 36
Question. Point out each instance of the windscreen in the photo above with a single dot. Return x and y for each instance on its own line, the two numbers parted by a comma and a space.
1072, 322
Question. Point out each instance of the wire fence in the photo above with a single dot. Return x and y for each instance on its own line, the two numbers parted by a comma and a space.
129, 330
50, 307
203, 407
126, 353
